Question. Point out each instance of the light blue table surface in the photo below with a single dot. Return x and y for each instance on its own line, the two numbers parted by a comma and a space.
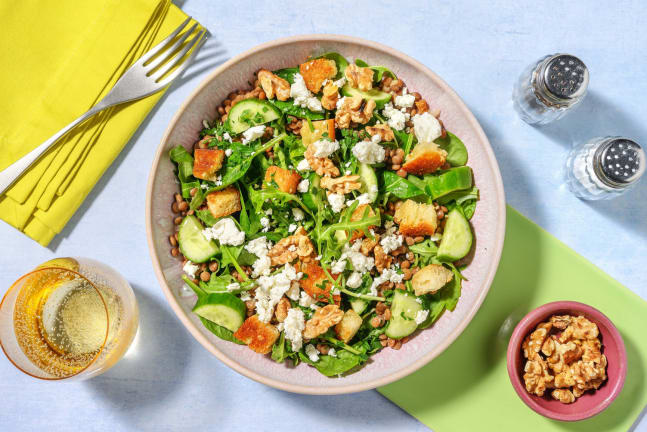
168, 381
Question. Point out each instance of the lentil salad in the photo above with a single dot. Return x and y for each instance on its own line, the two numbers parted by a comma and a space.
322, 214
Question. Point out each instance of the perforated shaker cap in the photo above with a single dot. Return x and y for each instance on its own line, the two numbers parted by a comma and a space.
622, 161
566, 76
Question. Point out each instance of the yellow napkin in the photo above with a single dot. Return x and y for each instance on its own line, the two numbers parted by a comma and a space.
60, 58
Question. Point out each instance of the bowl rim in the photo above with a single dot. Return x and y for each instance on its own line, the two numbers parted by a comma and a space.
496, 253
523, 328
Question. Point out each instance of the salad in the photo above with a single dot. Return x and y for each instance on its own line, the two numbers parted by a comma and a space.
323, 215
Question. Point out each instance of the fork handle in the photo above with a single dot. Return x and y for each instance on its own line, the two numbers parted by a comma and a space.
12, 173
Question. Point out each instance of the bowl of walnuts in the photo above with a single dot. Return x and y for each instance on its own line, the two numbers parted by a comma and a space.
566, 361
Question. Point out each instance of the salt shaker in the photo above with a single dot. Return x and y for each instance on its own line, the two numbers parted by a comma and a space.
549, 88
604, 167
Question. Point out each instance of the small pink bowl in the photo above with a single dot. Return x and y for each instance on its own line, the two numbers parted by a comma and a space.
590, 403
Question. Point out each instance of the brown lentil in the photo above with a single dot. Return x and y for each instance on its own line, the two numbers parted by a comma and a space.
395, 167
175, 251
387, 314
177, 220
419, 239
183, 206
205, 276
323, 349
193, 191
213, 266
175, 208
409, 240
380, 308
405, 264
410, 256
172, 240
376, 322
402, 173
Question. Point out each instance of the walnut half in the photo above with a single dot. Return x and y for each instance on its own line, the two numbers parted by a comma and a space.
274, 85
322, 320
341, 185
354, 109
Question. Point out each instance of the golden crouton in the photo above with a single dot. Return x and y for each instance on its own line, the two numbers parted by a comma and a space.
362, 211
315, 72
207, 162
286, 180
416, 219
359, 77
258, 336
430, 279
314, 280
424, 158
348, 326
320, 127
225, 202
381, 129
274, 85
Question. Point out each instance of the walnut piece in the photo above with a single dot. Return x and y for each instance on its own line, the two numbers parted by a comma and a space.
322, 320
421, 106
322, 166
359, 77
330, 96
536, 377
282, 307
341, 185
274, 85
283, 253
381, 129
354, 109
563, 395
382, 260
368, 244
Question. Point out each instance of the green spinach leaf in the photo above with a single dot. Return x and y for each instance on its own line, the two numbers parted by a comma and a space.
339, 59
220, 331
332, 366
456, 151
399, 186
287, 73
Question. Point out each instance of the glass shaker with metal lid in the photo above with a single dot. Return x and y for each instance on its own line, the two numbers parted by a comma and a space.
604, 167
548, 89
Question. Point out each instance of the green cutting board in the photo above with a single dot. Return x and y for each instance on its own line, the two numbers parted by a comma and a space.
467, 387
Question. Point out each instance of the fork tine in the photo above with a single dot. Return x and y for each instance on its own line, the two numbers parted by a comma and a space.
176, 60
167, 53
148, 55
187, 62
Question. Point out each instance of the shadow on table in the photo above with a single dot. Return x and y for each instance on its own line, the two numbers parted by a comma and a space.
154, 365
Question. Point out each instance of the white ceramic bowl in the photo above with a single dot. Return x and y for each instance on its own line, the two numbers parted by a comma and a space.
488, 221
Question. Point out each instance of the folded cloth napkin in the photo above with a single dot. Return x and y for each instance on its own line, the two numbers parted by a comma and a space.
60, 58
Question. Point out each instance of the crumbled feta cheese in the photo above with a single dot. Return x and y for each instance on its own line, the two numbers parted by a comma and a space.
293, 328
340, 82
190, 269
336, 202
259, 246
360, 262
253, 133
262, 266
312, 353
337, 267
388, 275
293, 292
318, 258
376, 139
418, 300
364, 198
426, 127
421, 316
332, 352
270, 290
324, 148
304, 165
306, 300
348, 172
218, 181
405, 100
204, 186
354, 280
303, 185
233, 286
391, 242
302, 96
292, 227
228, 152
226, 232
396, 118
340, 102
245, 296
298, 214
368, 152
265, 223
226, 137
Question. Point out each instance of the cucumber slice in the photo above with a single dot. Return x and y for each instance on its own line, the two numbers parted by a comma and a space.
403, 315
224, 309
193, 244
453, 179
380, 97
358, 305
369, 181
457, 238
251, 112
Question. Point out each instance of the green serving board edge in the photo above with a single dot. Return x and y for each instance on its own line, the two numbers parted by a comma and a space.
467, 386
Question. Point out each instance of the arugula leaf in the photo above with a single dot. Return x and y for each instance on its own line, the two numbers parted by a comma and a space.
184, 162
260, 196
288, 107
220, 331
426, 248
469, 207
279, 351
400, 186
287, 73
206, 217
456, 151
217, 283
446, 298
339, 59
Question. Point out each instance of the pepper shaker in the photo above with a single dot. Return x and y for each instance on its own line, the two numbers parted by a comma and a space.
604, 167
549, 88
